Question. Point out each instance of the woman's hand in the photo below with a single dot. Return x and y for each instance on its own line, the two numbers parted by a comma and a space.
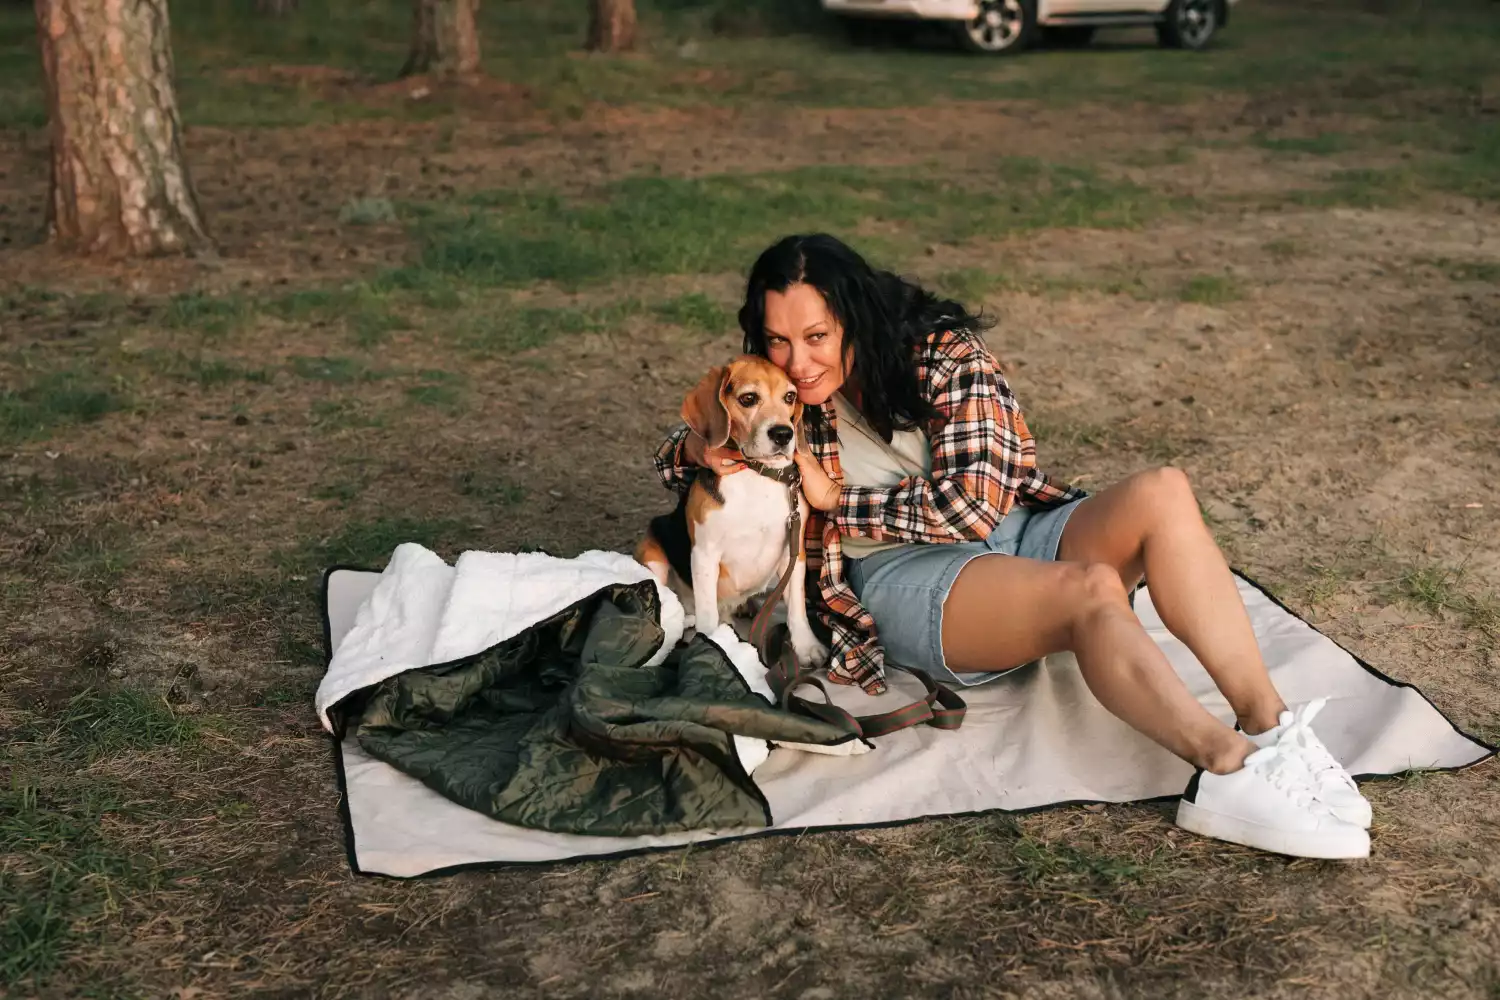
821, 489
722, 461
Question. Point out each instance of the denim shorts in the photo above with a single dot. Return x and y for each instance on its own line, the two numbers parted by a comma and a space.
904, 588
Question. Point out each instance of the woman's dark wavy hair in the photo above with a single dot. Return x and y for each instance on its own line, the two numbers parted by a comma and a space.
885, 319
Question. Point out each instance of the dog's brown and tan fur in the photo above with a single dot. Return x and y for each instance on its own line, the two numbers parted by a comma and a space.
733, 527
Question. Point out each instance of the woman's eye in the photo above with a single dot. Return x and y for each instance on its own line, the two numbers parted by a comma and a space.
747, 400
816, 336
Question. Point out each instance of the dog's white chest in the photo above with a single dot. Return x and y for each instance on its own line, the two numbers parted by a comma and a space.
749, 531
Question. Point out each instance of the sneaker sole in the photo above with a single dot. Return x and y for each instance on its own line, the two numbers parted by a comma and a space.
1335, 845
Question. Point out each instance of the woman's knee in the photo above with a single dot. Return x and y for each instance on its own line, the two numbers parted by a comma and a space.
1167, 488
1095, 586
1095, 593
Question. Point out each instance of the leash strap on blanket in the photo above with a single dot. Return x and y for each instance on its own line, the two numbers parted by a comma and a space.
941, 708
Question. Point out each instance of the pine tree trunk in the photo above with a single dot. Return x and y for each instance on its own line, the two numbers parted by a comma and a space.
611, 25
275, 8
120, 184
444, 39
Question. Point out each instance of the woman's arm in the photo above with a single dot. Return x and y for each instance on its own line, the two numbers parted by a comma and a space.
674, 466
980, 457
683, 451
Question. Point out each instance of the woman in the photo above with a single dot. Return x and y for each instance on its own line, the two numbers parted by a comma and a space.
937, 541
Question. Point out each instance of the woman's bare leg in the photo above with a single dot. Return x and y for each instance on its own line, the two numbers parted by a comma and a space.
1051, 607
1150, 524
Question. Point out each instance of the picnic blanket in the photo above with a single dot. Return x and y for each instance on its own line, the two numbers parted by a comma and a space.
1032, 739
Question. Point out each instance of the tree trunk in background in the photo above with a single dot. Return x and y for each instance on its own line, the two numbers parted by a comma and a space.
611, 25
444, 39
275, 8
120, 184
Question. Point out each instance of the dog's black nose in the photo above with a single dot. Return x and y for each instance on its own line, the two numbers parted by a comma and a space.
780, 434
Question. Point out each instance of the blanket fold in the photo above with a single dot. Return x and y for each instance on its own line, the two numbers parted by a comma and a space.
572, 726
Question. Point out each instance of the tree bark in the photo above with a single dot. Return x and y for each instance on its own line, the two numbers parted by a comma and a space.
120, 183
611, 25
275, 8
444, 39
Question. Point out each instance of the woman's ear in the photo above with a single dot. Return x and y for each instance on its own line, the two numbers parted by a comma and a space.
703, 410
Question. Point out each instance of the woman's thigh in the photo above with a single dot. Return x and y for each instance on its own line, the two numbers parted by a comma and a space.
965, 613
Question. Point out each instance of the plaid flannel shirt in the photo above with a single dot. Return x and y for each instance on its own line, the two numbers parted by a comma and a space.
983, 464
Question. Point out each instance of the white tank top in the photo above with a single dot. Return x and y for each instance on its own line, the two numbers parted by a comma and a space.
867, 460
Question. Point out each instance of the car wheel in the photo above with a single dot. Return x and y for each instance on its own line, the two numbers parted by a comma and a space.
1070, 36
1189, 24
1002, 26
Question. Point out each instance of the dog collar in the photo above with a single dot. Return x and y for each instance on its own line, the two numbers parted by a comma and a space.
788, 475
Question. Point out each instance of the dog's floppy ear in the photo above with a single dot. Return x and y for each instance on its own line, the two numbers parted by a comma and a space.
703, 410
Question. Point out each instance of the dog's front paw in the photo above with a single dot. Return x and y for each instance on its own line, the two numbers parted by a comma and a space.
810, 652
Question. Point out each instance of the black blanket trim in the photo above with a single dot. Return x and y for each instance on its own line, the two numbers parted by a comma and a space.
336, 745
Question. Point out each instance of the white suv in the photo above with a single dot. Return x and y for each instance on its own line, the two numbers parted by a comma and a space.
998, 26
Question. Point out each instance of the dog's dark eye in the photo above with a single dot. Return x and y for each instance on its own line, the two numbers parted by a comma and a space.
747, 399
790, 397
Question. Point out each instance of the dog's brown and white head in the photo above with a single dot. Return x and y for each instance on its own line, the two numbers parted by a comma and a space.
750, 402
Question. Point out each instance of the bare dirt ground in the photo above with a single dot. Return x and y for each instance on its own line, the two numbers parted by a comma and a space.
1329, 377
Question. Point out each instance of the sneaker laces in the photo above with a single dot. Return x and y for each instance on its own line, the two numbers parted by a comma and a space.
1285, 771
1300, 736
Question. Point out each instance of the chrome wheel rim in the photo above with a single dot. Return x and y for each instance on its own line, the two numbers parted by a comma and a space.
998, 25
1195, 21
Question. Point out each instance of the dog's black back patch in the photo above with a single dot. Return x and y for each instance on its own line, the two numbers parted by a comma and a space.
671, 532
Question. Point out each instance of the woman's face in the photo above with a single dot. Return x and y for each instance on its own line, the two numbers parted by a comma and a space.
804, 340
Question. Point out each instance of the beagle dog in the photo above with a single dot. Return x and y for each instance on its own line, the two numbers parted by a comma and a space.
727, 541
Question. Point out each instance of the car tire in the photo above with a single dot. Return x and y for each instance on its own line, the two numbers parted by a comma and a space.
1003, 27
1068, 36
1190, 24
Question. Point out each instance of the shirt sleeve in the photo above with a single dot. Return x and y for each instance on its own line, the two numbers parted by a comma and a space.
672, 467
981, 455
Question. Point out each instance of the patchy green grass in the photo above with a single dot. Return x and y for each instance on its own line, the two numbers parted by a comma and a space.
438, 389
1322, 144
203, 370
52, 400
696, 311
205, 313
65, 876
1211, 290
338, 370
98, 724
1283, 250
495, 488
658, 225
1438, 590
370, 543
1487, 271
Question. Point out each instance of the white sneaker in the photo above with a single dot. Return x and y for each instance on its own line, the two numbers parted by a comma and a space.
1335, 787
1270, 803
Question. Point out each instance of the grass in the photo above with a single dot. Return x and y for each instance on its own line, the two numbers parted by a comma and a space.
204, 371
207, 314
99, 724
1322, 144
52, 400
1487, 271
69, 876
1438, 590
649, 226
68, 879
1210, 290
108, 891
337, 370
370, 543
